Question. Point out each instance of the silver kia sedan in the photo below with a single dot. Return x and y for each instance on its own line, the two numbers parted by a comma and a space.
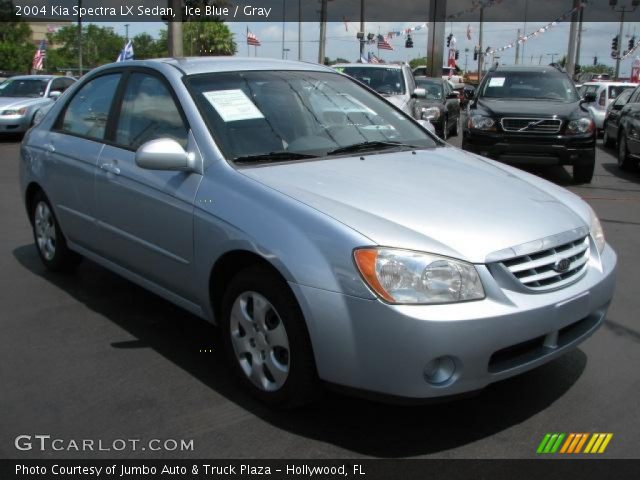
329, 235
23, 97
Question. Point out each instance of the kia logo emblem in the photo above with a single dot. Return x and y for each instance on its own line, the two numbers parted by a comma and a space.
562, 265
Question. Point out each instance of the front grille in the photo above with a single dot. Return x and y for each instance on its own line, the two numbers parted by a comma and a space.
531, 125
539, 271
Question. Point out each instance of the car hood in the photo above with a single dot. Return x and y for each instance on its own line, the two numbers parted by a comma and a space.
19, 102
525, 108
398, 100
440, 200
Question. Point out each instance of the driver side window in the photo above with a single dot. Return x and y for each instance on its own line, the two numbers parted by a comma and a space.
148, 113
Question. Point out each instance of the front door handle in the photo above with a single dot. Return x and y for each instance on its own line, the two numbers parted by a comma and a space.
50, 148
111, 168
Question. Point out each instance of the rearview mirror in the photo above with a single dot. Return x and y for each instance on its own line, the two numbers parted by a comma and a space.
419, 93
589, 97
54, 94
164, 154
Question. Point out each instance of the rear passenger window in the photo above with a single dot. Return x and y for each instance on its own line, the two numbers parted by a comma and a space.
148, 113
87, 112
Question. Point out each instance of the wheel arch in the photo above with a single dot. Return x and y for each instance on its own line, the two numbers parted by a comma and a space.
30, 193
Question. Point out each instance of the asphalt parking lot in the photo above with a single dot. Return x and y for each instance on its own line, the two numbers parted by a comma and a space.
91, 356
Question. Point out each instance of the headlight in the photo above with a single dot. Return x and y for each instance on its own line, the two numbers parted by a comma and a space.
580, 125
480, 122
407, 277
14, 112
597, 233
430, 113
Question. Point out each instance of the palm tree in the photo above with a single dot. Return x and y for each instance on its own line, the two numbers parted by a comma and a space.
208, 38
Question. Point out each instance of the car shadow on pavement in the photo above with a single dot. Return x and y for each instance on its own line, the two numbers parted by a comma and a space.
360, 426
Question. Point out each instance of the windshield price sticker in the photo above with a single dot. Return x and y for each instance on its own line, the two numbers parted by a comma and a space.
496, 82
233, 105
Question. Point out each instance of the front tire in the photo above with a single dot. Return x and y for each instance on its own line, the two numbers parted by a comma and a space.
454, 130
266, 339
48, 237
607, 141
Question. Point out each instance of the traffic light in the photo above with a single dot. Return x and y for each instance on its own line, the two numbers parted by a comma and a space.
449, 37
409, 42
632, 42
457, 54
595, 60
614, 44
475, 53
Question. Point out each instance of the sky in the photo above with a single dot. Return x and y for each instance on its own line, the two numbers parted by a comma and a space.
596, 40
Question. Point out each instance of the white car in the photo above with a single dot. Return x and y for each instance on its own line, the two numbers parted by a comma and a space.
606, 92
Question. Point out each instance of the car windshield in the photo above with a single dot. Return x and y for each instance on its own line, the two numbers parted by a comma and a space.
23, 88
282, 115
432, 87
543, 85
386, 81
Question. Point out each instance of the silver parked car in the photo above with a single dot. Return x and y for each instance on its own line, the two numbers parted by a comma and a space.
22, 97
327, 233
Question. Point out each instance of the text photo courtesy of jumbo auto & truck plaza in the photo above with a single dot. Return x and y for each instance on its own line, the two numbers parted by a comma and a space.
289, 239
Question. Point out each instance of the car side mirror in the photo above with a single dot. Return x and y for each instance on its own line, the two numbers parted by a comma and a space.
589, 97
164, 154
419, 93
54, 94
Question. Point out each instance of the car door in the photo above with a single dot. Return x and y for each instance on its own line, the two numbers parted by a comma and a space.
145, 217
630, 122
73, 147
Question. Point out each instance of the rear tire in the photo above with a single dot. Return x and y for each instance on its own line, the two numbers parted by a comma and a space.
48, 237
607, 141
454, 130
266, 339
625, 162
583, 173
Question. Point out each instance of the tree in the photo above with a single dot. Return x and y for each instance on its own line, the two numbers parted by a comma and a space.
416, 62
145, 46
16, 49
599, 68
100, 45
206, 38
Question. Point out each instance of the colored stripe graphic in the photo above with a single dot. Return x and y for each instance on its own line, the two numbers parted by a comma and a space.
573, 443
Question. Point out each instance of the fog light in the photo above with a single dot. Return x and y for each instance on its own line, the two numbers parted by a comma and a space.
440, 370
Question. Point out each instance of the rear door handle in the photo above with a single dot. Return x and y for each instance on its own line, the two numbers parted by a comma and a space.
50, 148
111, 168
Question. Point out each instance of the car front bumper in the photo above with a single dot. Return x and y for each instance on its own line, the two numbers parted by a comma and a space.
531, 149
14, 124
371, 346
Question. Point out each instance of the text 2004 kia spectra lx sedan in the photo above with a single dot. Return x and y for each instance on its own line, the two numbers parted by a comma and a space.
327, 233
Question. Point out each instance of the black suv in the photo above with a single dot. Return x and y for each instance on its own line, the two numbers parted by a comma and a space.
531, 115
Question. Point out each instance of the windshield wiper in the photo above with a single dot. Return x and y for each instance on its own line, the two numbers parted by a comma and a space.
273, 157
365, 146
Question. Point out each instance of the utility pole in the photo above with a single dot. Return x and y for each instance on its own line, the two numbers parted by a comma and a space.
622, 10
126, 29
570, 65
323, 31
79, 39
300, 30
518, 47
524, 28
362, 28
435, 37
577, 62
283, 19
175, 30
553, 56
480, 50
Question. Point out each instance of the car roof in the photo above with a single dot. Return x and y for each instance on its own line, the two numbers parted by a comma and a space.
525, 68
615, 84
433, 79
368, 65
197, 65
32, 77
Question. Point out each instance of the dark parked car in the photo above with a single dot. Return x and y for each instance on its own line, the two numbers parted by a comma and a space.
612, 118
532, 115
628, 126
440, 105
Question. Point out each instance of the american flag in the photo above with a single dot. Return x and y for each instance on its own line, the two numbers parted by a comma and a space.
252, 39
38, 58
372, 58
383, 44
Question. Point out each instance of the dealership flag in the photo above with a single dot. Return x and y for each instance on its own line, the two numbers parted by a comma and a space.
126, 53
253, 40
38, 58
373, 59
383, 44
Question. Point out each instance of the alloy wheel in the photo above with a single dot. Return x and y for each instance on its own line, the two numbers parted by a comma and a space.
260, 341
45, 230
